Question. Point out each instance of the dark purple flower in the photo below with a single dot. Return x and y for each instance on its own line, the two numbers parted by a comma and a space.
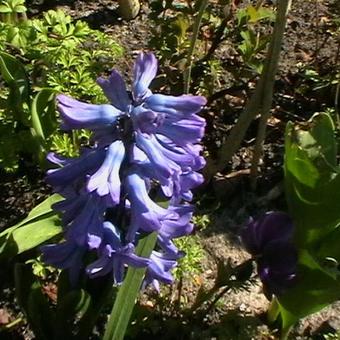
269, 240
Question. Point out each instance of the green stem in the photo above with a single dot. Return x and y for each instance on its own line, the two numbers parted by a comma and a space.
128, 293
197, 24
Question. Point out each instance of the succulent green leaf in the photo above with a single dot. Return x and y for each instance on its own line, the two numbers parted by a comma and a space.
312, 180
314, 290
39, 226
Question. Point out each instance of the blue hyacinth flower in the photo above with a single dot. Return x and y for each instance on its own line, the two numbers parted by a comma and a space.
141, 142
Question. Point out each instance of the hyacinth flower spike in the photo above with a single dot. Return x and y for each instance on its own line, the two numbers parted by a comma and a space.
141, 142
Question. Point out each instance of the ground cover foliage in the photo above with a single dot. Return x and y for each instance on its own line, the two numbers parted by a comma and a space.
270, 144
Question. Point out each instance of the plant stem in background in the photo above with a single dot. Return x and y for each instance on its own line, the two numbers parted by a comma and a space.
187, 73
268, 87
254, 105
129, 9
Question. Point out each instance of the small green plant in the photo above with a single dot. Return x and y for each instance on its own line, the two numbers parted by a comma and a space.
10, 10
48, 55
191, 263
253, 40
40, 269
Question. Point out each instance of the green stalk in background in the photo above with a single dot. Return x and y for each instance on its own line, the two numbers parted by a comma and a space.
187, 73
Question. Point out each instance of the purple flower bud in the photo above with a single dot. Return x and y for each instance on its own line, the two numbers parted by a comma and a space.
269, 240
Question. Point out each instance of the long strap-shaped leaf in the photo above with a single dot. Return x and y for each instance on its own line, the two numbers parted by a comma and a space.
128, 292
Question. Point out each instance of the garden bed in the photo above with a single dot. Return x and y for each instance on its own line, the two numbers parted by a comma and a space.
310, 54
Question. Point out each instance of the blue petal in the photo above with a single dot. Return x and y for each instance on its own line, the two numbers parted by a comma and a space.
159, 268
88, 223
76, 168
112, 235
66, 255
146, 120
181, 226
175, 153
115, 90
145, 213
165, 167
145, 71
100, 267
183, 132
178, 107
106, 179
79, 115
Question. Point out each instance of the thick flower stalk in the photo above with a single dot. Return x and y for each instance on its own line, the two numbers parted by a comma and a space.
269, 240
142, 143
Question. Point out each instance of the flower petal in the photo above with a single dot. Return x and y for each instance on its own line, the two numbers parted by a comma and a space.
145, 213
165, 167
106, 180
76, 168
159, 268
115, 90
183, 132
178, 107
79, 115
272, 226
145, 71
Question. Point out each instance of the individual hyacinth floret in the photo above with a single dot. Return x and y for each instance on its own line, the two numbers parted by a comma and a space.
269, 240
142, 142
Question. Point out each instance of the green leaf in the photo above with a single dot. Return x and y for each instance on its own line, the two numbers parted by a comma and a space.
39, 226
128, 293
38, 212
43, 115
13, 72
312, 180
329, 247
31, 235
20, 9
5, 9
314, 290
